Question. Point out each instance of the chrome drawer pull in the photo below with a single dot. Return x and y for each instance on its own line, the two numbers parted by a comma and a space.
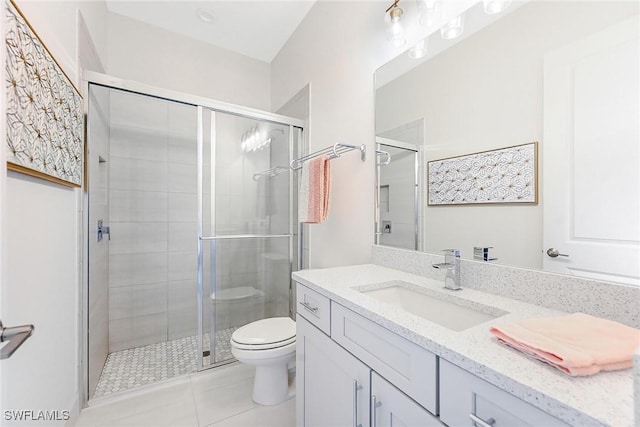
482, 423
356, 388
309, 307
374, 406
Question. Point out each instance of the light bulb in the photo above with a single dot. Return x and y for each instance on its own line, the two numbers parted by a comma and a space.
418, 50
453, 28
396, 38
429, 12
495, 6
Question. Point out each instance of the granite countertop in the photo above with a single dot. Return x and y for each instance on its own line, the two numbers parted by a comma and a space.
602, 399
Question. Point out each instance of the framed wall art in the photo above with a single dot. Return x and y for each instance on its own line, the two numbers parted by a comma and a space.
45, 123
506, 175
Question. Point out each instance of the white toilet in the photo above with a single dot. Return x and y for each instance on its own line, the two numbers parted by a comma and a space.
270, 346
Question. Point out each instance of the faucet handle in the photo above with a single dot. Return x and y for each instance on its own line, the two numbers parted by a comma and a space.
450, 256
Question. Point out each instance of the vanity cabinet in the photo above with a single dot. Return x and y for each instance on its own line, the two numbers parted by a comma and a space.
351, 371
337, 386
333, 387
466, 400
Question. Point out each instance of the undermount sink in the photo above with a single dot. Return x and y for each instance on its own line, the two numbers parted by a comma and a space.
447, 310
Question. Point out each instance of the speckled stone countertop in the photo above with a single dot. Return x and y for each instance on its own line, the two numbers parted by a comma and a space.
602, 399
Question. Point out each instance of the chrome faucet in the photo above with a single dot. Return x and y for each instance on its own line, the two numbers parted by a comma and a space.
452, 266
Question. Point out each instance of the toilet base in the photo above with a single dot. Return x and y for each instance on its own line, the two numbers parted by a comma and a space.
271, 384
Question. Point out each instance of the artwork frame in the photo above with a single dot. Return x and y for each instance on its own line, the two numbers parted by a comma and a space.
506, 175
44, 109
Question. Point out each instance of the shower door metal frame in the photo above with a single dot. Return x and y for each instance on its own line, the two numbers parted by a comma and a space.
105, 80
416, 183
214, 238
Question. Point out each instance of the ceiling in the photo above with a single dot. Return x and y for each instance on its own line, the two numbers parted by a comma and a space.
255, 28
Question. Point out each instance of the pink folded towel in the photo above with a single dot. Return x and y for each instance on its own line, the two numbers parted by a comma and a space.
313, 195
577, 344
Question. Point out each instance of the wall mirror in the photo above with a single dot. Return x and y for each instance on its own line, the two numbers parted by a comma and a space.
564, 74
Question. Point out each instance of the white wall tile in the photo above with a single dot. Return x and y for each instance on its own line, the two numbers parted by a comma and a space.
183, 178
182, 149
137, 331
183, 207
130, 269
125, 205
183, 236
144, 111
182, 266
135, 142
137, 300
136, 174
138, 237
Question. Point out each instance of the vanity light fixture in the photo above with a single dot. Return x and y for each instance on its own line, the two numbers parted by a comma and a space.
495, 6
419, 49
453, 28
396, 31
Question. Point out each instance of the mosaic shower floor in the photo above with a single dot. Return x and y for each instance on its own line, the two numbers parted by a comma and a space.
135, 367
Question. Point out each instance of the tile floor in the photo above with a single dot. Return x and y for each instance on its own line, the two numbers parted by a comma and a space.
219, 397
135, 367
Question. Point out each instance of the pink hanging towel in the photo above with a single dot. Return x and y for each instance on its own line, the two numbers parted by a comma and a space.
577, 344
314, 189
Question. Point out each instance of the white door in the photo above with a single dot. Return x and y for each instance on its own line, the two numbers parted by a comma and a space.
392, 408
591, 177
333, 386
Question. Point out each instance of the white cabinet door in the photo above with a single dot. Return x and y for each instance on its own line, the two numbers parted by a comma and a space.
333, 387
392, 408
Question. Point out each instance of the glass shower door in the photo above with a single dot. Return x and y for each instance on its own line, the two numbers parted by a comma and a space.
246, 245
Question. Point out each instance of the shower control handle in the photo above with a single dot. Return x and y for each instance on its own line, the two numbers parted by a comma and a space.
103, 229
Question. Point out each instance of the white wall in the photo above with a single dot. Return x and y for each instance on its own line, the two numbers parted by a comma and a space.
41, 238
333, 50
336, 50
148, 54
486, 93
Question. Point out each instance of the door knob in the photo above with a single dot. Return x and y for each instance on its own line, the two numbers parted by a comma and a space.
553, 253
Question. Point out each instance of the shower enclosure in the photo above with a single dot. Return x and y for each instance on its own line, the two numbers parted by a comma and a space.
191, 232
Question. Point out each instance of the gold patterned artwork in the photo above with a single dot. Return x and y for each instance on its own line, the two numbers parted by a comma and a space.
45, 128
507, 175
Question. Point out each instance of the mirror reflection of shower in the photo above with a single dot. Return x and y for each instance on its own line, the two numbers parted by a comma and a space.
397, 194
147, 318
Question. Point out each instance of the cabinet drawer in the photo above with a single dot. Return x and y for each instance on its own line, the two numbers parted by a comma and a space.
407, 366
464, 396
314, 307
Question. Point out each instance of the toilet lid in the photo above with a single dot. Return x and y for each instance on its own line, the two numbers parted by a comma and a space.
275, 330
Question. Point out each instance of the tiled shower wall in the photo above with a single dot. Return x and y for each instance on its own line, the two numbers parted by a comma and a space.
153, 213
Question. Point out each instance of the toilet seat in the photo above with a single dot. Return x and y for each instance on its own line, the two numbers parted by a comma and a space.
265, 334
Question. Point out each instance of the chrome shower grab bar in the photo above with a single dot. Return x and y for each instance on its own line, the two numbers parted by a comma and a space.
245, 236
384, 153
14, 337
333, 151
271, 172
